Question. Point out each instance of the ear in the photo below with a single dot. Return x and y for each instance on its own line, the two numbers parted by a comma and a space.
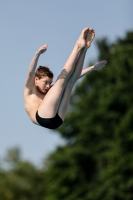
36, 80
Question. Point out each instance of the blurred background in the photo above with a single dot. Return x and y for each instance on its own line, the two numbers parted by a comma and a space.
91, 155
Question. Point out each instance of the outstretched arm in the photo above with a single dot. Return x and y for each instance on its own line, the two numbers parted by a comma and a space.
31, 72
97, 66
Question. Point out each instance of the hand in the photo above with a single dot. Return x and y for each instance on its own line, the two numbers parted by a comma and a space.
42, 49
99, 65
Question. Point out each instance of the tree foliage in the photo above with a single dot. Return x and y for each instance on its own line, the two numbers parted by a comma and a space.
97, 161
99, 126
20, 180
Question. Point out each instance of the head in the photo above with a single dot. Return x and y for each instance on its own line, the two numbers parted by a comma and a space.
43, 79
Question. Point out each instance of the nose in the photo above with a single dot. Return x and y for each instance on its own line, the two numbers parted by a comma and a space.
48, 85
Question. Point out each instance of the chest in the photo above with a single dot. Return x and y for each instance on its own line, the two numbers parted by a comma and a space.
34, 101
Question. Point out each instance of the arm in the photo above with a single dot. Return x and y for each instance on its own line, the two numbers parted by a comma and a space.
31, 72
86, 71
97, 66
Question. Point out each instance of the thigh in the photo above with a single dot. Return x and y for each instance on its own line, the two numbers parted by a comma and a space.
51, 101
63, 107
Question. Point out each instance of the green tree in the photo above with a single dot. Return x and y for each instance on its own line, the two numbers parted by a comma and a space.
21, 180
97, 162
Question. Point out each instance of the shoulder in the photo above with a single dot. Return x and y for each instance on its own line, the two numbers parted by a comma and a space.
28, 91
29, 86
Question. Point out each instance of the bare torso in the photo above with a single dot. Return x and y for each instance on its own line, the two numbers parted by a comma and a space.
32, 102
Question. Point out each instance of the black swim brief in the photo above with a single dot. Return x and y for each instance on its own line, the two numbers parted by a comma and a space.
51, 123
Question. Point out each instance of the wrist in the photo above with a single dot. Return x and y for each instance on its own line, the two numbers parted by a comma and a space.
37, 53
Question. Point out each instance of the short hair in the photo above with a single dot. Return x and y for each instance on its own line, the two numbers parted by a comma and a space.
43, 71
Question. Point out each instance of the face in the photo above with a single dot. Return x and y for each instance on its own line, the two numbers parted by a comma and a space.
43, 84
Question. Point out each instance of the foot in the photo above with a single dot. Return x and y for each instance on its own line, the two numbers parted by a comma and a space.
99, 65
81, 42
90, 36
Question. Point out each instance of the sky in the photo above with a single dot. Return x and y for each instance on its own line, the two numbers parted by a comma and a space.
24, 27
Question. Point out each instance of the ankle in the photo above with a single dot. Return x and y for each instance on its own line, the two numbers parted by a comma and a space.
85, 48
78, 46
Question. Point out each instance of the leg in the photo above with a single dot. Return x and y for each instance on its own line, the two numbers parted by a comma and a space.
51, 102
67, 92
74, 77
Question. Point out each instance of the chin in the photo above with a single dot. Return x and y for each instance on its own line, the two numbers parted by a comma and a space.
45, 91
42, 92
